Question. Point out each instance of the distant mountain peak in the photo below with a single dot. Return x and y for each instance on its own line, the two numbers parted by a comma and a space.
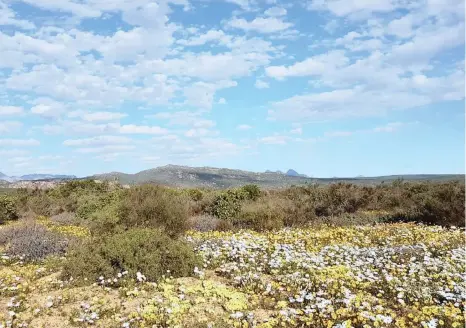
292, 172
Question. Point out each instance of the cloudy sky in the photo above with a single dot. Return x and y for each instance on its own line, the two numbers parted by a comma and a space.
326, 87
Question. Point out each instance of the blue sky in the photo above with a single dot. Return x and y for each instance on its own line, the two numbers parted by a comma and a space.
326, 87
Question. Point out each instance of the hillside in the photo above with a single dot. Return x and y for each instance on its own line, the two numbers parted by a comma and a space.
35, 177
184, 176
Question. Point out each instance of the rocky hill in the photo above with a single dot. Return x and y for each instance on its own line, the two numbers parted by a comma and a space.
185, 176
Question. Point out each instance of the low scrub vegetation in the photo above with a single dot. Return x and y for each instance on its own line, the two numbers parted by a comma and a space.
107, 208
136, 250
31, 241
8, 209
131, 228
238, 266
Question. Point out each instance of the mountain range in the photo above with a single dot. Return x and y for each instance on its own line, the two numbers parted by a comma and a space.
185, 176
210, 177
35, 177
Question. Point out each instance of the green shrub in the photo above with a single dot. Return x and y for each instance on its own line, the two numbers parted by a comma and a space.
32, 241
80, 187
252, 191
153, 207
260, 216
41, 204
227, 205
86, 205
149, 251
8, 209
105, 220
442, 205
194, 194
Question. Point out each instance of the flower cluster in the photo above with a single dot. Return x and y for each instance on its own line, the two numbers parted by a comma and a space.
397, 275
400, 275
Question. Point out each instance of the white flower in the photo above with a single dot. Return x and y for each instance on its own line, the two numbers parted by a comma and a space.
236, 315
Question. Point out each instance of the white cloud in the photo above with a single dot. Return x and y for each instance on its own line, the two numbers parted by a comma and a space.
8, 17
47, 107
19, 159
401, 27
19, 142
331, 26
274, 140
222, 101
184, 118
337, 134
343, 103
50, 157
97, 141
315, 65
209, 36
426, 44
97, 116
275, 11
260, 84
13, 152
260, 24
10, 110
244, 4
78, 9
355, 8
387, 128
244, 127
45, 111
199, 132
141, 129
105, 149
297, 130
201, 94
151, 158
10, 126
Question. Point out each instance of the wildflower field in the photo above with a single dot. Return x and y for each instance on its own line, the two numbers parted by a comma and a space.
384, 275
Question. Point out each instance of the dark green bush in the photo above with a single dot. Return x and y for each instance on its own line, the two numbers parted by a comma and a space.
41, 204
32, 241
252, 191
153, 207
441, 205
8, 209
87, 204
227, 205
149, 251
260, 216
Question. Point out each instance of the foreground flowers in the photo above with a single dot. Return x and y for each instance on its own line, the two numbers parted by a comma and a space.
400, 275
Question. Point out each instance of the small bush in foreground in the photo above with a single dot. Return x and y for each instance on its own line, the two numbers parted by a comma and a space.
8, 210
148, 251
32, 241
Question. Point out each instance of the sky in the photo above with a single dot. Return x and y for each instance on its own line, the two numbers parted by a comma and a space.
325, 87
